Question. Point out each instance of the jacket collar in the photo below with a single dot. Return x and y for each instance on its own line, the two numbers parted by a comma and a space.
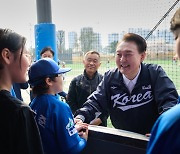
85, 74
143, 74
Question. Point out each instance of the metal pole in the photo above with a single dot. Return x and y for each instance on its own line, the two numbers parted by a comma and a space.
44, 11
45, 30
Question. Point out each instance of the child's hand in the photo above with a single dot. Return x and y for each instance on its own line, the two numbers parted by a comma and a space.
82, 129
148, 135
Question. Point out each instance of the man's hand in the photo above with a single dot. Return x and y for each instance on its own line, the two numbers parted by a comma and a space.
96, 121
77, 121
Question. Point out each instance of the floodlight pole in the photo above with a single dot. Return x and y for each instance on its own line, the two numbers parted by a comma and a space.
44, 11
45, 30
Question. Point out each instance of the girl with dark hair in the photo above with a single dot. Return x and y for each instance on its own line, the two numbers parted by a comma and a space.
18, 131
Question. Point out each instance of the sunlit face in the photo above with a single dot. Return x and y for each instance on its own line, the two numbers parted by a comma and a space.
19, 69
128, 59
177, 38
47, 54
91, 63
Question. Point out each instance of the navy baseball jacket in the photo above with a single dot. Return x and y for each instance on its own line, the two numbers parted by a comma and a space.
153, 94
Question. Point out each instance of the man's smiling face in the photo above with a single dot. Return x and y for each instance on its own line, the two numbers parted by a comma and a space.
128, 59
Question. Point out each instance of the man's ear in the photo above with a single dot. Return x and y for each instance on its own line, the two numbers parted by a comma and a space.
143, 56
6, 56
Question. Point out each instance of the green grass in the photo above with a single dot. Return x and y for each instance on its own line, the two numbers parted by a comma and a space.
172, 70
109, 124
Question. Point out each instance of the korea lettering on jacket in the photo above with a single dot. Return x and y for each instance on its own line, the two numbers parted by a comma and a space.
137, 111
125, 102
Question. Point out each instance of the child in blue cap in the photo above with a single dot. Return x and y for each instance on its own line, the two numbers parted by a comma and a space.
54, 117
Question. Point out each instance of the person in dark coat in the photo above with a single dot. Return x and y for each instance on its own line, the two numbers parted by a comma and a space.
134, 94
85, 84
19, 133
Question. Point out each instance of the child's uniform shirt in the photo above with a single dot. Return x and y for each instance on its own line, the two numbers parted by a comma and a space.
56, 125
165, 135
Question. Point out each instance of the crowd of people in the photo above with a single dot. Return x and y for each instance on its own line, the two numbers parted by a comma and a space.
137, 97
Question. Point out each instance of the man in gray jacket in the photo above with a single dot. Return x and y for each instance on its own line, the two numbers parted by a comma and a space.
83, 85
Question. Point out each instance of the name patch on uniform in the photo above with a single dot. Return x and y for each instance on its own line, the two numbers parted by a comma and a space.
71, 128
146, 87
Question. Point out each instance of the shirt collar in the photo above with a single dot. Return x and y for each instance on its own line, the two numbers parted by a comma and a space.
126, 80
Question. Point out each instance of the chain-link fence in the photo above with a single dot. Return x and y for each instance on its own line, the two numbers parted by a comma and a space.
150, 19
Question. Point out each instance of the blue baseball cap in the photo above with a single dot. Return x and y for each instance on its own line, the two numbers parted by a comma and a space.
43, 68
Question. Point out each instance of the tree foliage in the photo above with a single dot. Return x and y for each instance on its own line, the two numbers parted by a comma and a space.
112, 47
87, 39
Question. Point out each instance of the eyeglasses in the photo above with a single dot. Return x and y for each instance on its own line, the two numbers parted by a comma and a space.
60, 75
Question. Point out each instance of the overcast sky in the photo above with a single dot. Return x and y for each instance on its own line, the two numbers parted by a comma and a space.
105, 16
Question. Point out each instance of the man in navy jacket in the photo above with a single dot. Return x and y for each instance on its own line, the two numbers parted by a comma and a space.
134, 94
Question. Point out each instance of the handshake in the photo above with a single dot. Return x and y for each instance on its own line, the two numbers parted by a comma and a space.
82, 128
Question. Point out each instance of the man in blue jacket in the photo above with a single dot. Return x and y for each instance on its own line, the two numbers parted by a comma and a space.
134, 94
165, 137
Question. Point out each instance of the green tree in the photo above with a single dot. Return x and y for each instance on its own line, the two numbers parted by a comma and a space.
112, 47
86, 39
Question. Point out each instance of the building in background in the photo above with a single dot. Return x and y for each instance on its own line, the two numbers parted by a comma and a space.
97, 42
165, 35
142, 32
114, 37
73, 41
112, 42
